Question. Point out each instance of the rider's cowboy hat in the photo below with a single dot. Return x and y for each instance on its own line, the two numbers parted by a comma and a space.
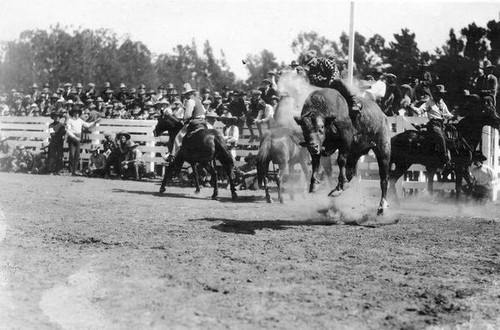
309, 56
440, 89
186, 88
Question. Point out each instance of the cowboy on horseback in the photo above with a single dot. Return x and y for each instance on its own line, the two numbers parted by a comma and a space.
194, 117
437, 111
324, 72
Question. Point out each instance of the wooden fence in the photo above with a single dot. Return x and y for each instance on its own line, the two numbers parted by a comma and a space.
33, 131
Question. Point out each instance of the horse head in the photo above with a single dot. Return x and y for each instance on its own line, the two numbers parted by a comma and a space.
167, 123
313, 129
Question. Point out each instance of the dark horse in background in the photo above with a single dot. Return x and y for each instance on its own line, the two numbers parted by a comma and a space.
280, 146
200, 148
327, 127
414, 147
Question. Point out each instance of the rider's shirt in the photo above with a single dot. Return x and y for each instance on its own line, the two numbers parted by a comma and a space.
434, 110
323, 72
193, 109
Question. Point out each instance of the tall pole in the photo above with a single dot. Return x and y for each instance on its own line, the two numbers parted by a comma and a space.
350, 67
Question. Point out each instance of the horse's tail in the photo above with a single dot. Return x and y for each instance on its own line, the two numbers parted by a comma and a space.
222, 152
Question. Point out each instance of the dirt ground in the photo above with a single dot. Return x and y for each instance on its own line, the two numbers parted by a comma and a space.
80, 253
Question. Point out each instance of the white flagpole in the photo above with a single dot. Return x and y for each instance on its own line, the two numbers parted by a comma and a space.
350, 67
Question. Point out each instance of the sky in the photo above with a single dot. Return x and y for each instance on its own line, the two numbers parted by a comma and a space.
242, 27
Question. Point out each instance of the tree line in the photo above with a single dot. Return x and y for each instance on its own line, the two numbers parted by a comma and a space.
60, 54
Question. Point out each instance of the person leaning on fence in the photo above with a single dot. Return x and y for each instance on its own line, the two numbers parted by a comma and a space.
484, 178
74, 131
194, 117
57, 131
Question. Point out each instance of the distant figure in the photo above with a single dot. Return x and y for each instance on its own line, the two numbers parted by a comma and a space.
484, 179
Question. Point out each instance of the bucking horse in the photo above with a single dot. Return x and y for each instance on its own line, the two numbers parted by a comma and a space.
328, 127
200, 148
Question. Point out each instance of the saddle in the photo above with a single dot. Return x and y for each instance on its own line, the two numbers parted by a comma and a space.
194, 127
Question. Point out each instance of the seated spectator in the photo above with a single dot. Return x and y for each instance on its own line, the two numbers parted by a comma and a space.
23, 160
246, 174
40, 161
97, 163
6, 154
178, 110
211, 117
118, 154
133, 165
484, 179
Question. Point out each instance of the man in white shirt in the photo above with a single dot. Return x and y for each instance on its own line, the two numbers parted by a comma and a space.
484, 178
74, 127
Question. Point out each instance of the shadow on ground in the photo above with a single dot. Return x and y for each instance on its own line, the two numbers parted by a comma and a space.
249, 227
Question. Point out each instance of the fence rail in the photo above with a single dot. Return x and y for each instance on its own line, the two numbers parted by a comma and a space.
33, 131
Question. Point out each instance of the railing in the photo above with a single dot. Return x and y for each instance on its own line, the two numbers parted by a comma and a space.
33, 131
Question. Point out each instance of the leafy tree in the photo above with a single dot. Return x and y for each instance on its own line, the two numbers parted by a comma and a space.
312, 40
493, 35
475, 47
403, 55
258, 67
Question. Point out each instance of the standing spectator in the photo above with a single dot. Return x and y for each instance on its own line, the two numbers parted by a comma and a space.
379, 87
265, 117
66, 94
486, 84
74, 127
256, 106
206, 96
484, 178
6, 154
218, 106
79, 93
238, 109
4, 108
392, 99
267, 91
231, 133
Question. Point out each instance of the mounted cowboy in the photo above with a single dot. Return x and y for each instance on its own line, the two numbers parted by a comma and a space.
194, 116
486, 85
324, 72
437, 111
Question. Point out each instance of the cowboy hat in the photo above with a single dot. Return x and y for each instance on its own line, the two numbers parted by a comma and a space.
123, 133
440, 89
256, 92
217, 95
186, 88
94, 148
211, 114
309, 56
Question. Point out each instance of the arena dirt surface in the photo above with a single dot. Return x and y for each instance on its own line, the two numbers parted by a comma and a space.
79, 253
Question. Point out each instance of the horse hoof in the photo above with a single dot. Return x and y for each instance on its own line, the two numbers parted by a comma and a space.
269, 200
214, 198
234, 197
335, 193
197, 191
162, 190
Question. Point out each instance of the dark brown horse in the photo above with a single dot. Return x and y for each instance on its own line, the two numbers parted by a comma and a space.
414, 147
170, 124
281, 147
327, 127
201, 149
